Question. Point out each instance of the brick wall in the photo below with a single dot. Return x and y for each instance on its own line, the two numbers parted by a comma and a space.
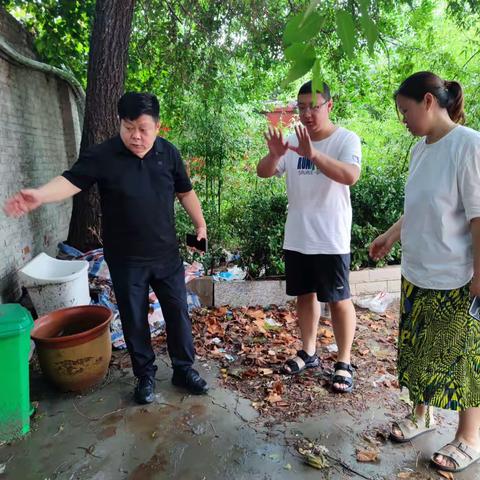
374, 280
39, 138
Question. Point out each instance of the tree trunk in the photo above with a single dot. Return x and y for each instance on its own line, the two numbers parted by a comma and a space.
105, 84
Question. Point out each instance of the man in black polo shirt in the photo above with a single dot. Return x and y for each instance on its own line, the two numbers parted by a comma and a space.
138, 175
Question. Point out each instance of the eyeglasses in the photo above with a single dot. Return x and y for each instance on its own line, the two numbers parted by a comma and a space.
302, 109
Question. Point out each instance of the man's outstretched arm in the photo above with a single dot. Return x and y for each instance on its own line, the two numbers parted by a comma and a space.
26, 200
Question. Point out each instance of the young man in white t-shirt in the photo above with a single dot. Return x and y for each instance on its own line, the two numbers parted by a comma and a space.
321, 161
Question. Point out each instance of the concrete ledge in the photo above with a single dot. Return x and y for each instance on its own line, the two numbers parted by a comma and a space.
268, 292
243, 293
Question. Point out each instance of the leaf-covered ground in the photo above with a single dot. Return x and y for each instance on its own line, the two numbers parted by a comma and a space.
252, 344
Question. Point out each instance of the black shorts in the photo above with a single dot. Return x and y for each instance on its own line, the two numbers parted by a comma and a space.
325, 275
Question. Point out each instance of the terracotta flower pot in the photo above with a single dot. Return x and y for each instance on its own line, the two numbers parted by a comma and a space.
73, 346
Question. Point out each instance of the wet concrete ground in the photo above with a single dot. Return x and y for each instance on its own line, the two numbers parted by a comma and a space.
103, 435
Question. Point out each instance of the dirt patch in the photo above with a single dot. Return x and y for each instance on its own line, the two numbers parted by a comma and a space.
252, 344
107, 433
149, 470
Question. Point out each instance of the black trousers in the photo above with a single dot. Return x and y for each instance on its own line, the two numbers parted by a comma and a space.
131, 286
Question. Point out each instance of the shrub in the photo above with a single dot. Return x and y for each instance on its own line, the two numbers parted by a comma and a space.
258, 223
377, 203
255, 222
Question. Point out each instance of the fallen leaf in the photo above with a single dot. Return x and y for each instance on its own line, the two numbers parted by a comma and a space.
367, 455
445, 474
316, 461
411, 476
289, 318
260, 325
273, 397
237, 372
251, 372
214, 327
324, 332
277, 387
221, 311
257, 314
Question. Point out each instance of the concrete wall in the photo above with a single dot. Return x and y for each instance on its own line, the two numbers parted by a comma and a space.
39, 138
267, 292
374, 280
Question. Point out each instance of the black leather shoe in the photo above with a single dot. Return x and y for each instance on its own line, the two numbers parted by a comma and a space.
145, 390
191, 380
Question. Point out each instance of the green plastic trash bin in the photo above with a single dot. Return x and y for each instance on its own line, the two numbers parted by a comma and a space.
15, 326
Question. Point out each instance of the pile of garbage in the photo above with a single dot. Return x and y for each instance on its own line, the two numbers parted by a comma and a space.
101, 291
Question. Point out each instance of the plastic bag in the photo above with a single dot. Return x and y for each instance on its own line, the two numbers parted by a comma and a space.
377, 304
234, 273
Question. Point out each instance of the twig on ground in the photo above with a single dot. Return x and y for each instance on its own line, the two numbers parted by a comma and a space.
82, 414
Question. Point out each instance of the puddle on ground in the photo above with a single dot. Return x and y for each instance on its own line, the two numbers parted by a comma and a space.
149, 470
113, 419
150, 420
107, 433
198, 409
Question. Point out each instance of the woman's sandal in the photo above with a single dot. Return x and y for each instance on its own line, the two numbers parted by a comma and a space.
293, 367
411, 427
462, 456
342, 379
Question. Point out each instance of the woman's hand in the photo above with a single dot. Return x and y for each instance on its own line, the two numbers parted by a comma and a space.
381, 246
475, 286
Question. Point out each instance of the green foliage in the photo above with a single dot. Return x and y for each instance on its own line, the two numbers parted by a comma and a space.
215, 65
259, 223
61, 30
302, 28
258, 219
377, 203
346, 31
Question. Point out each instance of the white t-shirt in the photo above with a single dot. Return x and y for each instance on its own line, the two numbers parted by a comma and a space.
442, 195
319, 216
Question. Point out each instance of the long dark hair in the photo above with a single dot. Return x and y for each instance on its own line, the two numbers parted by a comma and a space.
449, 94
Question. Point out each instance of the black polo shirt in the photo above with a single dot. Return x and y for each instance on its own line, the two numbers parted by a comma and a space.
137, 199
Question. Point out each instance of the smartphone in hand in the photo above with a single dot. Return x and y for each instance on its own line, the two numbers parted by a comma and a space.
200, 245
475, 308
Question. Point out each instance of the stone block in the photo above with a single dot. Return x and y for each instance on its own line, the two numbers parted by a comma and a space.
359, 276
385, 273
246, 293
370, 288
394, 285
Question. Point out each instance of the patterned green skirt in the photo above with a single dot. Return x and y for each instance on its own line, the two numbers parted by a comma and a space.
439, 348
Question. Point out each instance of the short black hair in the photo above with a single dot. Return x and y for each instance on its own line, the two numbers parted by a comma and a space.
307, 88
133, 104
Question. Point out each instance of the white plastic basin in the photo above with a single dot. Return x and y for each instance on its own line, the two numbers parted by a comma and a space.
54, 284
